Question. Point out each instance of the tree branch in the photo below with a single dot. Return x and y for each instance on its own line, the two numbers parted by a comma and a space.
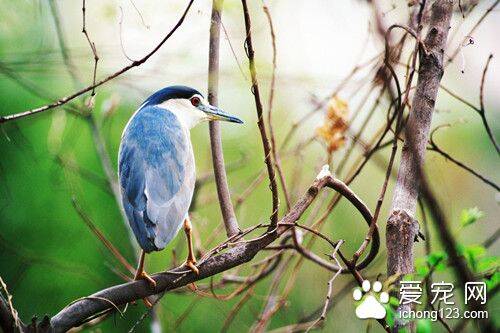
226, 206
215, 262
68, 98
482, 113
274, 148
434, 147
401, 225
260, 119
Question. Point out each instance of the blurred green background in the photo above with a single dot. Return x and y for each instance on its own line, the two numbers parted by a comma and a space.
49, 257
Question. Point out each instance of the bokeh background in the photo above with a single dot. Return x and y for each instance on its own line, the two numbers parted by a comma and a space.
49, 257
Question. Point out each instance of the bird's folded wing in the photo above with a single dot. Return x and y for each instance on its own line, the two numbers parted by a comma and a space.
151, 169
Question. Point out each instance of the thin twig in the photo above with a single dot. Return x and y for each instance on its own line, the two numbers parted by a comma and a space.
274, 149
260, 120
435, 148
471, 31
483, 111
328, 299
88, 222
399, 111
92, 47
125, 69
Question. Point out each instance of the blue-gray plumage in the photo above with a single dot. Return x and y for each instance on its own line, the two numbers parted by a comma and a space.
156, 163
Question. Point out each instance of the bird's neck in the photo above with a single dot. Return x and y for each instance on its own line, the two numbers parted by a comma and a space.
183, 110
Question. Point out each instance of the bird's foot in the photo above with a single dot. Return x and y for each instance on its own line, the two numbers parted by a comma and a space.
147, 303
145, 276
191, 264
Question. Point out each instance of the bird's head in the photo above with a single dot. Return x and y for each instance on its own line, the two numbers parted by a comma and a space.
188, 105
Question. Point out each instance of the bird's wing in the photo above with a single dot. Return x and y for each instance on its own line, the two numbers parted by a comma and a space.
154, 161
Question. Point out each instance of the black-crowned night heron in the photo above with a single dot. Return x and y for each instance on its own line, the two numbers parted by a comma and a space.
156, 168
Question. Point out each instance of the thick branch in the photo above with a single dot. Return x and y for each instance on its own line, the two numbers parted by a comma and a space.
401, 225
243, 251
75, 313
417, 128
226, 206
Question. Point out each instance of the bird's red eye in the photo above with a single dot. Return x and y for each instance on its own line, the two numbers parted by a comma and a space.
195, 101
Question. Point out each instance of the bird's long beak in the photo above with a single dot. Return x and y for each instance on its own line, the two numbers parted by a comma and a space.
214, 113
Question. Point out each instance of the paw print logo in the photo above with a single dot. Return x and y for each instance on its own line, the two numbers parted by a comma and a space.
370, 306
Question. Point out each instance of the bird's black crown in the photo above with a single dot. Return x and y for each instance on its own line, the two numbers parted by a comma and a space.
169, 93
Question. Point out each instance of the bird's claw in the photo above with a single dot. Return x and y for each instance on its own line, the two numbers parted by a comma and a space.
152, 283
191, 264
145, 276
147, 303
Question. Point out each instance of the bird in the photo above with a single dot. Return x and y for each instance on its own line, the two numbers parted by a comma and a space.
156, 168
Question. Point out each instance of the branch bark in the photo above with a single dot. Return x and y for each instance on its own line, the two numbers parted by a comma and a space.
401, 225
226, 206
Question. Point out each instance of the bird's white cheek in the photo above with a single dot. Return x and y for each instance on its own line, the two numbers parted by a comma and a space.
187, 114
195, 117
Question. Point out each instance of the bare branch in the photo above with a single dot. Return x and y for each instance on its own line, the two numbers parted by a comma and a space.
260, 120
226, 206
92, 46
471, 31
330, 288
401, 225
68, 98
399, 114
434, 147
214, 262
274, 148
483, 111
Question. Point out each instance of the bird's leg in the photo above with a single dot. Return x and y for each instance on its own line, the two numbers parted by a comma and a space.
191, 260
140, 274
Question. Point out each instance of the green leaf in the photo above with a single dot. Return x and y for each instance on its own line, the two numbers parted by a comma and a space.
389, 318
438, 260
488, 263
493, 281
394, 301
470, 216
421, 266
410, 277
473, 253
424, 326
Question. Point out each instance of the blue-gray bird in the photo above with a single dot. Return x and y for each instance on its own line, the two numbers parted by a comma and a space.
157, 170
